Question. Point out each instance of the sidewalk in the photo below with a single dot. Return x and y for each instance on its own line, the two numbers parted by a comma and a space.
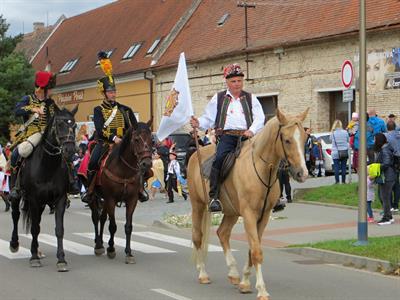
298, 223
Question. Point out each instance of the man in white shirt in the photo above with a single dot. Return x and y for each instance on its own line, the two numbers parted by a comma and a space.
233, 113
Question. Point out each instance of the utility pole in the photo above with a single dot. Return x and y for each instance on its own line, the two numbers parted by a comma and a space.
246, 6
362, 175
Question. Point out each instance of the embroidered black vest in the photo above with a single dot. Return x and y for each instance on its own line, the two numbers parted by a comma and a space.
223, 101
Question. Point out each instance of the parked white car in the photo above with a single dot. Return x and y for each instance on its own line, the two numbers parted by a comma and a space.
326, 149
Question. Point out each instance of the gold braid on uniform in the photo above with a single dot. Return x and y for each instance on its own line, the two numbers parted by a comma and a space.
117, 124
39, 124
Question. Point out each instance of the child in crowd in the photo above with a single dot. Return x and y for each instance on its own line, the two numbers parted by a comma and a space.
319, 169
373, 173
156, 182
174, 173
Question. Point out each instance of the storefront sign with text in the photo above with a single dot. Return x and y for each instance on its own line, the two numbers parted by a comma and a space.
74, 96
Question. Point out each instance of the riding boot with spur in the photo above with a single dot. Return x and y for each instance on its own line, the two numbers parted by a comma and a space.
214, 205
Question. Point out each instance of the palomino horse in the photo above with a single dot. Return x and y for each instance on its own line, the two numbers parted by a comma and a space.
251, 191
44, 181
121, 181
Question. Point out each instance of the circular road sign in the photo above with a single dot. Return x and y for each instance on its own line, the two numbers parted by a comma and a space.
347, 73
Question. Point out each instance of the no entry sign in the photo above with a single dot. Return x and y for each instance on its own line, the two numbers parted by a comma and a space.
347, 73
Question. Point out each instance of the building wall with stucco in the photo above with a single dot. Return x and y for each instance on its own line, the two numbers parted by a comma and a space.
299, 77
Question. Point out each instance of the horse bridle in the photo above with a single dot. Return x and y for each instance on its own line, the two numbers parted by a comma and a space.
269, 185
137, 154
61, 140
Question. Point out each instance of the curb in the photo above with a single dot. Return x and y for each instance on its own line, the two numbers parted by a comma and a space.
376, 210
348, 260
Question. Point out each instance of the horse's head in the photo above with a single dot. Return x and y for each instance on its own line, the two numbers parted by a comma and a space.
142, 145
293, 138
61, 132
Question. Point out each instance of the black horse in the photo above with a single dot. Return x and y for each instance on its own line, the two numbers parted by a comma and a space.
44, 180
121, 181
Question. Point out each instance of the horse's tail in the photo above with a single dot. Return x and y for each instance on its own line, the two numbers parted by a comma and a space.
26, 214
205, 229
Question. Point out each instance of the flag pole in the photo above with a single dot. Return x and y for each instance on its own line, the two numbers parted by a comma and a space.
203, 183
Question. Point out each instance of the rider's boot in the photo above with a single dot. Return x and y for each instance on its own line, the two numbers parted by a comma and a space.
5, 197
15, 193
143, 195
91, 174
214, 205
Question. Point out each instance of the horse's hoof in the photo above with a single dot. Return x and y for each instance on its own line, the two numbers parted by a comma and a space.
204, 280
62, 267
35, 263
111, 255
245, 288
263, 298
41, 254
130, 259
234, 280
14, 249
99, 251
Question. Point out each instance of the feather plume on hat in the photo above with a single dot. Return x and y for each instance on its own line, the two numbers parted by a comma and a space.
105, 64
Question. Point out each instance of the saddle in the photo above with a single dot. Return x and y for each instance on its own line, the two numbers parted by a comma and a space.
227, 164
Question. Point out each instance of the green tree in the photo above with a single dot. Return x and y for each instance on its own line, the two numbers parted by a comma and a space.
16, 79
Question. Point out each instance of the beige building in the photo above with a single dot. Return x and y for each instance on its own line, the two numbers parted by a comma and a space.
292, 70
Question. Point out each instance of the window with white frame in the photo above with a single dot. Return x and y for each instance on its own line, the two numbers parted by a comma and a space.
69, 65
153, 46
132, 51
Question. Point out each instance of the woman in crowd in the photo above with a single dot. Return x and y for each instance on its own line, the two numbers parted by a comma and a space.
340, 150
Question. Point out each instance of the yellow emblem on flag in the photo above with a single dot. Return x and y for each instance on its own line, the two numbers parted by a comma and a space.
172, 102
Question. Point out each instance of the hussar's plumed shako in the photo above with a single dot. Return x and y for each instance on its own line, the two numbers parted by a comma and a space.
106, 83
45, 80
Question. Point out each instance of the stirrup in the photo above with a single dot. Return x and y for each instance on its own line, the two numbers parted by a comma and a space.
214, 205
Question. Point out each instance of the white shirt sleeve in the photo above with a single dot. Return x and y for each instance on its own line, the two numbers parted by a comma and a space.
258, 115
207, 120
177, 168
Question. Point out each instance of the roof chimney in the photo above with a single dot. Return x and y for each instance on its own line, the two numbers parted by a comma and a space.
37, 26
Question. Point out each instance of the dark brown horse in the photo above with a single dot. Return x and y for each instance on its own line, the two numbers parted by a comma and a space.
120, 181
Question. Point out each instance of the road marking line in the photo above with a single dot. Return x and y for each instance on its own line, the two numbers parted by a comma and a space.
173, 240
116, 220
69, 246
170, 294
136, 246
5, 251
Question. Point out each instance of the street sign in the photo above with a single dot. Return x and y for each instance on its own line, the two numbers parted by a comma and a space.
347, 73
348, 95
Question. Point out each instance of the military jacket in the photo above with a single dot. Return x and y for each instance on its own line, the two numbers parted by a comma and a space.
24, 109
124, 118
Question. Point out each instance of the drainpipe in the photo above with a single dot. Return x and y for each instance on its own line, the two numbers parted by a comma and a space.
150, 77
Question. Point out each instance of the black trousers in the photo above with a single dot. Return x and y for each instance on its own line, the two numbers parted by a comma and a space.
284, 181
172, 185
95, 156
226, 144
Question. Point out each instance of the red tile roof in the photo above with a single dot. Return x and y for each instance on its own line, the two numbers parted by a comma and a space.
117, 25
272, 23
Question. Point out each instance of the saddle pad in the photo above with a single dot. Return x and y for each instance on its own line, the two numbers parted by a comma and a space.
207, 165
227, 165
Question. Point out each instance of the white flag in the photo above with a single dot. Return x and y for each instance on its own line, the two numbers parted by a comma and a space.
178, 108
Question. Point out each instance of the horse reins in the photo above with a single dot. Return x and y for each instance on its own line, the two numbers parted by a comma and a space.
269, 185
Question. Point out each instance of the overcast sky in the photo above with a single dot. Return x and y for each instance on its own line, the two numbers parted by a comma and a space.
21, 14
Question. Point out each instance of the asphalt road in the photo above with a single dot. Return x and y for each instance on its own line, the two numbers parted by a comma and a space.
164, 270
